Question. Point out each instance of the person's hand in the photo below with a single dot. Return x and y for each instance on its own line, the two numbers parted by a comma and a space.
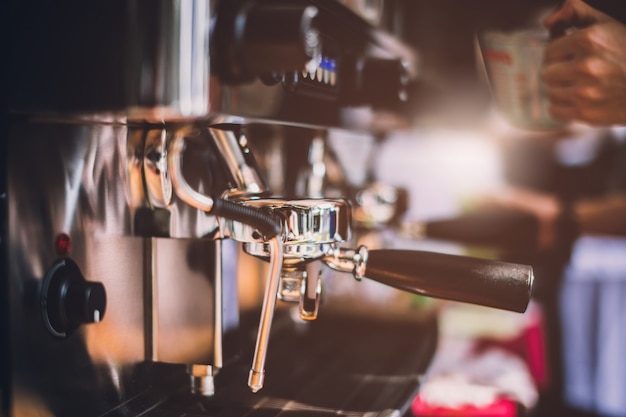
585, 65
543, 206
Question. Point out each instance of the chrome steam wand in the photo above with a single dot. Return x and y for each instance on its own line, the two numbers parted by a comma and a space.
257, 373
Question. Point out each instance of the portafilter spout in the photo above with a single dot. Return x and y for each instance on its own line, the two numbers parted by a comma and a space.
312, 230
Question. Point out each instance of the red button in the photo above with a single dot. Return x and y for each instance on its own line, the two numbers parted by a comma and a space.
63, 244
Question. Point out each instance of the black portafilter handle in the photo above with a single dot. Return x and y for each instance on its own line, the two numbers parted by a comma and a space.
502, 285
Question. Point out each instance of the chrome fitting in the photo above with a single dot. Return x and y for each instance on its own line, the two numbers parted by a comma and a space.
202, 379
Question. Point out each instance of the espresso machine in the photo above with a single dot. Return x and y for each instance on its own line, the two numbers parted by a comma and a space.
132, 194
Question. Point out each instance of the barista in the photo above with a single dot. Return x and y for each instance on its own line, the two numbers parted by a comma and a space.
585, 74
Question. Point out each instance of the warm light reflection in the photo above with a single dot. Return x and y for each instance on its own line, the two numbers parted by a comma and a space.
443, 169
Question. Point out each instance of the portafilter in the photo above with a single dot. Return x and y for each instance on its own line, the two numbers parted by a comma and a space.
312, 229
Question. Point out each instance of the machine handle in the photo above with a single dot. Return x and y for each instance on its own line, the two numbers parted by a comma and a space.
490, 283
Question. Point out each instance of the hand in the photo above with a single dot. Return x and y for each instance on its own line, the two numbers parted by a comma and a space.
585, 68
543, 206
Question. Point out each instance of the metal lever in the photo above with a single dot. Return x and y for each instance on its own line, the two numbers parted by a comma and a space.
257, 373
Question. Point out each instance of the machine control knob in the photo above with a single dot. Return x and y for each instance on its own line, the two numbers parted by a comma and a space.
68, 300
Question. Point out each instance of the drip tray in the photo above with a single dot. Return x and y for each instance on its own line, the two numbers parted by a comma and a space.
334, 366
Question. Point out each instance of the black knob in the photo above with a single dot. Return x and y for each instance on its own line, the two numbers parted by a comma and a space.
84, 302
277, 36
68, 300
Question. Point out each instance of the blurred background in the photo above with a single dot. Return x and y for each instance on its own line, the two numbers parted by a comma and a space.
477, 183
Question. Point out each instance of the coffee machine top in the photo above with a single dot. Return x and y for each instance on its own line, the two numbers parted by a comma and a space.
296, 61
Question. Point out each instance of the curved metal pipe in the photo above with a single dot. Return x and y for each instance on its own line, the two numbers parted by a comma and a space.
181, 187
257, 373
